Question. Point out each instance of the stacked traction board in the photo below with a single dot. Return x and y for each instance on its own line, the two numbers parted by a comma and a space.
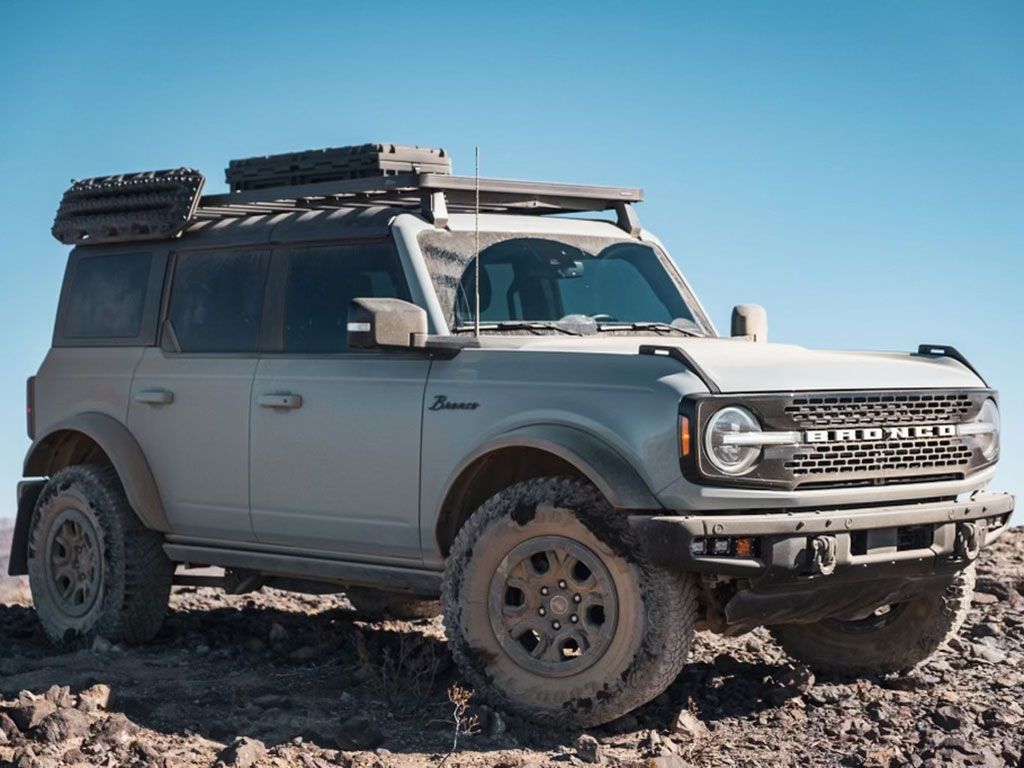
128, 207
339, 164
159, 204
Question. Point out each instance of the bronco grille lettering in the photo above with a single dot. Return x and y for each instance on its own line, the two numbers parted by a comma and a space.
878, 433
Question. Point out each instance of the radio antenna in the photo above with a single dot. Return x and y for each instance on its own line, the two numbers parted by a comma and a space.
476, 235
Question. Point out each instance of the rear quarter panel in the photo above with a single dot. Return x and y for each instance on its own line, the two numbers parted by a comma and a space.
75, 380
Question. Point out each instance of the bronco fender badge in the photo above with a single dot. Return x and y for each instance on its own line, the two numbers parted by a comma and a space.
442, 403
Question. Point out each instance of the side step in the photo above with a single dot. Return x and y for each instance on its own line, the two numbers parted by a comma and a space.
391, 578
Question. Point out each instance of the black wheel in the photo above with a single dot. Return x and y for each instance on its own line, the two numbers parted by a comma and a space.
892, 638
553, 611
391, 605
94, 569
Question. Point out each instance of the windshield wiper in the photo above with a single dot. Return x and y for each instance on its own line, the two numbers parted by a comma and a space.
659, 328
534, 326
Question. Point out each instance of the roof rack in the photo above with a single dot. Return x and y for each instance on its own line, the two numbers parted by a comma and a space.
162, 204
435, 194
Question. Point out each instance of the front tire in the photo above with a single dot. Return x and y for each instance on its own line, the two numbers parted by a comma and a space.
94, 569
893, 639
553, 611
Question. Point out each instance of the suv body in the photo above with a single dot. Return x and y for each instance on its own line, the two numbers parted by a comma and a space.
261, 416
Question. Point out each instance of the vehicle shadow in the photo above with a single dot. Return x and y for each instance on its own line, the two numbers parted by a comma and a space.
277, 675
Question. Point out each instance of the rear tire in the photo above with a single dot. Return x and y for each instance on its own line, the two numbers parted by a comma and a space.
885, 642
94, 569
391, 605
553, 611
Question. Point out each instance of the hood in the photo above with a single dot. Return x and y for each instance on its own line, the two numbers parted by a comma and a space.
737, 365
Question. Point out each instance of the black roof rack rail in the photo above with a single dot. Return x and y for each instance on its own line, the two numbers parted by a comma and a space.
436, 194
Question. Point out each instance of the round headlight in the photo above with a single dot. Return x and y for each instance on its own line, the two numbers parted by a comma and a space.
988, 441
725, 452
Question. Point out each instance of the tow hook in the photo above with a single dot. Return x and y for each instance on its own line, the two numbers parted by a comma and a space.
968, 541
823, 555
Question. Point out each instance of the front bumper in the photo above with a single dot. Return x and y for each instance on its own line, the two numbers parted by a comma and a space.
794, 559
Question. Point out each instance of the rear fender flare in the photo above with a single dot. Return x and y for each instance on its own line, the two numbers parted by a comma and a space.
121, 449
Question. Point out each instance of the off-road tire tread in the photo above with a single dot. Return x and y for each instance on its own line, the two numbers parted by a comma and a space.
137, 572
915, 644
670, 603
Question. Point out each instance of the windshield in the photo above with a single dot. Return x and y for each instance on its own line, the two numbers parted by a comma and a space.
597, 282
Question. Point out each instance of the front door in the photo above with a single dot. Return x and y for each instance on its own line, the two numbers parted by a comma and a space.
335, 436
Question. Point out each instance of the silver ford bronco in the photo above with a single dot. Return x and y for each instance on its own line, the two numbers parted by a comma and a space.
357, 372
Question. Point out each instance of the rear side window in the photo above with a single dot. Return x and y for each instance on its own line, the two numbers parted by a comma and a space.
320, 285
217, 300
107, 297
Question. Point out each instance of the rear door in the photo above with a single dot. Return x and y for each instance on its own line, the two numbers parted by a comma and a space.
335, 432
189, 406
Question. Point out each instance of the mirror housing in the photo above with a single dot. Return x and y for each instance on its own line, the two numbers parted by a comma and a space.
387, 323
750, 321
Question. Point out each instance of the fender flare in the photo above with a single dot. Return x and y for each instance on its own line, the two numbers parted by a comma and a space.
124, 453
606, 468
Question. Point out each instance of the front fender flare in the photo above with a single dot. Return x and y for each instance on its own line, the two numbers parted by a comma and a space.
606, 468
124, 453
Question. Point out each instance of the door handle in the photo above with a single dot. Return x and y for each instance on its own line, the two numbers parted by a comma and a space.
154, 397
281, 400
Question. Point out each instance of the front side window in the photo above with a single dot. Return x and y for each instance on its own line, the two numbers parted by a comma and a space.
560, 283
320, 285
107, 296
217, 300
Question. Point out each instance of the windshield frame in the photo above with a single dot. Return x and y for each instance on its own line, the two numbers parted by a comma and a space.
448, 254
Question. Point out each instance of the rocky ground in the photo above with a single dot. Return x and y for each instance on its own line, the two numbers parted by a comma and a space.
274, 679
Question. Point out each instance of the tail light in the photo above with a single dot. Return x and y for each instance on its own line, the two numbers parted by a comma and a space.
30, 407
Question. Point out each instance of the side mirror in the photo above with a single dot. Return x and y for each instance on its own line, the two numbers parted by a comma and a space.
750, 321
374, 323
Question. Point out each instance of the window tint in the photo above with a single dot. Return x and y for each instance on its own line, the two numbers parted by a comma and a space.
321, 283
107, 296
217, 301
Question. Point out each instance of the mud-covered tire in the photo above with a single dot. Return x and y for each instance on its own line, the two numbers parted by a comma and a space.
915, 630
377, 603
83, 508
640, 654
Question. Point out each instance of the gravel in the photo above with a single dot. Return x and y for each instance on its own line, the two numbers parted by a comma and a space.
276, 679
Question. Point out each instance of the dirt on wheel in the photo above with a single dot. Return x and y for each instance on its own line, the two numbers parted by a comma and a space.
275, 679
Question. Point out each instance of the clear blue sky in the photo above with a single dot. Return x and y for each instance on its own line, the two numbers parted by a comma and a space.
857, 167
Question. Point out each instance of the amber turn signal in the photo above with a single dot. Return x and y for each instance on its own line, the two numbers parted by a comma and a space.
684, 436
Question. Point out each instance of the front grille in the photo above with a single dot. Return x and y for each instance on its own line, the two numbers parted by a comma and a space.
868, 459
876, 410
892, 456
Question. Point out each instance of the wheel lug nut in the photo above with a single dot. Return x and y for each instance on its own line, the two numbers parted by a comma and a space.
544, 590
562, 584
574, 618
576, 598
556, 625
542, 612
